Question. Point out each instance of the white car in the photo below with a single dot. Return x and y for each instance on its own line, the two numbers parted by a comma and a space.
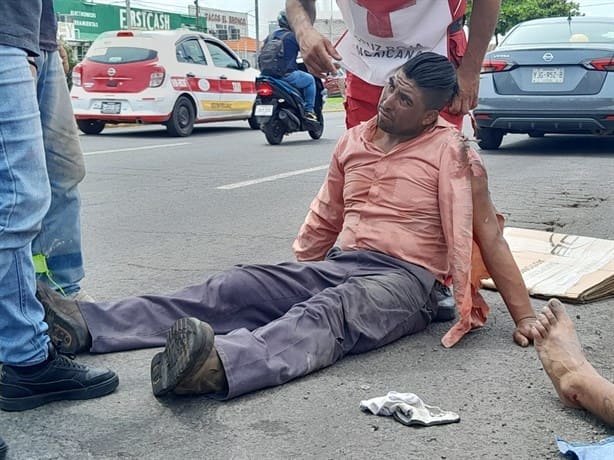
176, 78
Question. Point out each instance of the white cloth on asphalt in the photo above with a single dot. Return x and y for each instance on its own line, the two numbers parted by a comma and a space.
408, 409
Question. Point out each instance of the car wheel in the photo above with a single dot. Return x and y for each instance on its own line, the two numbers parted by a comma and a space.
489, 138
317, 133
253, 123
536, 134
274, 131
181, 122
91, 126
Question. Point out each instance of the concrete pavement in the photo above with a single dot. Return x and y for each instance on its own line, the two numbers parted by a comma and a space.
155, 219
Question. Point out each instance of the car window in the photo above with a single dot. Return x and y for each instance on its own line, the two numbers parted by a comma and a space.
561, 32
120, 54
190, 51
221, 57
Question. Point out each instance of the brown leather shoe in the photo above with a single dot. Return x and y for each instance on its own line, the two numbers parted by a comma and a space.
67, 327
189, 363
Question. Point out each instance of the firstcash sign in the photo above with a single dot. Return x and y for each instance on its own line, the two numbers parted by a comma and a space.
147, 20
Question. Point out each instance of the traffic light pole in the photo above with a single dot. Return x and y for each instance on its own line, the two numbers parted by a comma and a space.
128, 22
257, 26
196, 5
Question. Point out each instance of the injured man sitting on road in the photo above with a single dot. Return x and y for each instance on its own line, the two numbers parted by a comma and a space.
404, 207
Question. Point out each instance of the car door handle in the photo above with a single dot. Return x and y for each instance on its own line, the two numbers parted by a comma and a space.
223, 77
189, 75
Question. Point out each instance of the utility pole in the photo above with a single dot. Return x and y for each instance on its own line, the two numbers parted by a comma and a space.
128, 20
196, 5
331, 21
257, 27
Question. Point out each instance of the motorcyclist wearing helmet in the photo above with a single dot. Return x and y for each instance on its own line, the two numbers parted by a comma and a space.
303, 81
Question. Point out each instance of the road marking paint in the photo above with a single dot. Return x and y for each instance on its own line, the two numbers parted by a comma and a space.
129, 149
247, 183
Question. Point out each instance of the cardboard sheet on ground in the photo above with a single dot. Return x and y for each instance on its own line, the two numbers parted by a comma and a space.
570, 267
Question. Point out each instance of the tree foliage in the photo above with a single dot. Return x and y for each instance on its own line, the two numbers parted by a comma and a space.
72, 60
515, 11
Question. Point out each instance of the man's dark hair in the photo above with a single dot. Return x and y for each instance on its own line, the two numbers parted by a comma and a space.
435, 75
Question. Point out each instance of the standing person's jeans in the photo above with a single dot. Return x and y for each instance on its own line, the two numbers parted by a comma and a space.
306, 83
59, 240
24, 200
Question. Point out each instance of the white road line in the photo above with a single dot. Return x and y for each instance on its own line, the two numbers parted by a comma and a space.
129, 149
271, 178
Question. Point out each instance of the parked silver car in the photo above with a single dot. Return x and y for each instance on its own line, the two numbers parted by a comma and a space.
552, 75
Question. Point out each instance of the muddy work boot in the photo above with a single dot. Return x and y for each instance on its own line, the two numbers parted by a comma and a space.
67, 327
57, 378
189, 363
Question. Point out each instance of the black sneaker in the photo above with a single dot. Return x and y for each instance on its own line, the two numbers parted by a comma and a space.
446, 305
3, 449
58, 378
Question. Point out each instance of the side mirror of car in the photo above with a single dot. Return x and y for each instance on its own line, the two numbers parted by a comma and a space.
245, 64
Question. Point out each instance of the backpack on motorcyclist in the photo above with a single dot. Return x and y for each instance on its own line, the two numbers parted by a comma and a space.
271, 58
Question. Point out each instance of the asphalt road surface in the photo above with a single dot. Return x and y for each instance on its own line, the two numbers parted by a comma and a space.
160, 213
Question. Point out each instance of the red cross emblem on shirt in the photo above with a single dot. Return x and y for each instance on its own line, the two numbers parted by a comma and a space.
378, 14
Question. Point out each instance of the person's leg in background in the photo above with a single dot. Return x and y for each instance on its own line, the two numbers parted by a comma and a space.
24, 200
361, 99
57, 248
33, 373
306, 83
455, 118
576, 381
457, 44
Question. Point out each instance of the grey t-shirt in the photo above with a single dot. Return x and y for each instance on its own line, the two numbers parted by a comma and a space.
20, 24
49, 27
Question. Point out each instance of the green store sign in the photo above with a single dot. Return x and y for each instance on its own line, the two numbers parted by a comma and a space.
91, 19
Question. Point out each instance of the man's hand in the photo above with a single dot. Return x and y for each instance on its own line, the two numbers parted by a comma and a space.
317, 51
522, 333
467, 97
33, 68
64, 56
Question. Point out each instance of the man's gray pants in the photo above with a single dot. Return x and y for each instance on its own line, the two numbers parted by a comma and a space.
274, 323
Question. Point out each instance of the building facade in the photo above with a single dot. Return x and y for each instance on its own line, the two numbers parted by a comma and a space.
81, 21
225, 25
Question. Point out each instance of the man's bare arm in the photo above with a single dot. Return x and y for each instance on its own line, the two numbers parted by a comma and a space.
316, 50
500, 262
301, 12
482, 22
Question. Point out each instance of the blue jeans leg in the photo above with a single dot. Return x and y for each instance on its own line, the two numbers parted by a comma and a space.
306, 83
60, 237
24, 200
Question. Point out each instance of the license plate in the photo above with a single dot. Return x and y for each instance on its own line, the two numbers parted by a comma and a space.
548, 75
263, 110
111, 107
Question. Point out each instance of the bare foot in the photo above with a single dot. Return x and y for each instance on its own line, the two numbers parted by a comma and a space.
559, 350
